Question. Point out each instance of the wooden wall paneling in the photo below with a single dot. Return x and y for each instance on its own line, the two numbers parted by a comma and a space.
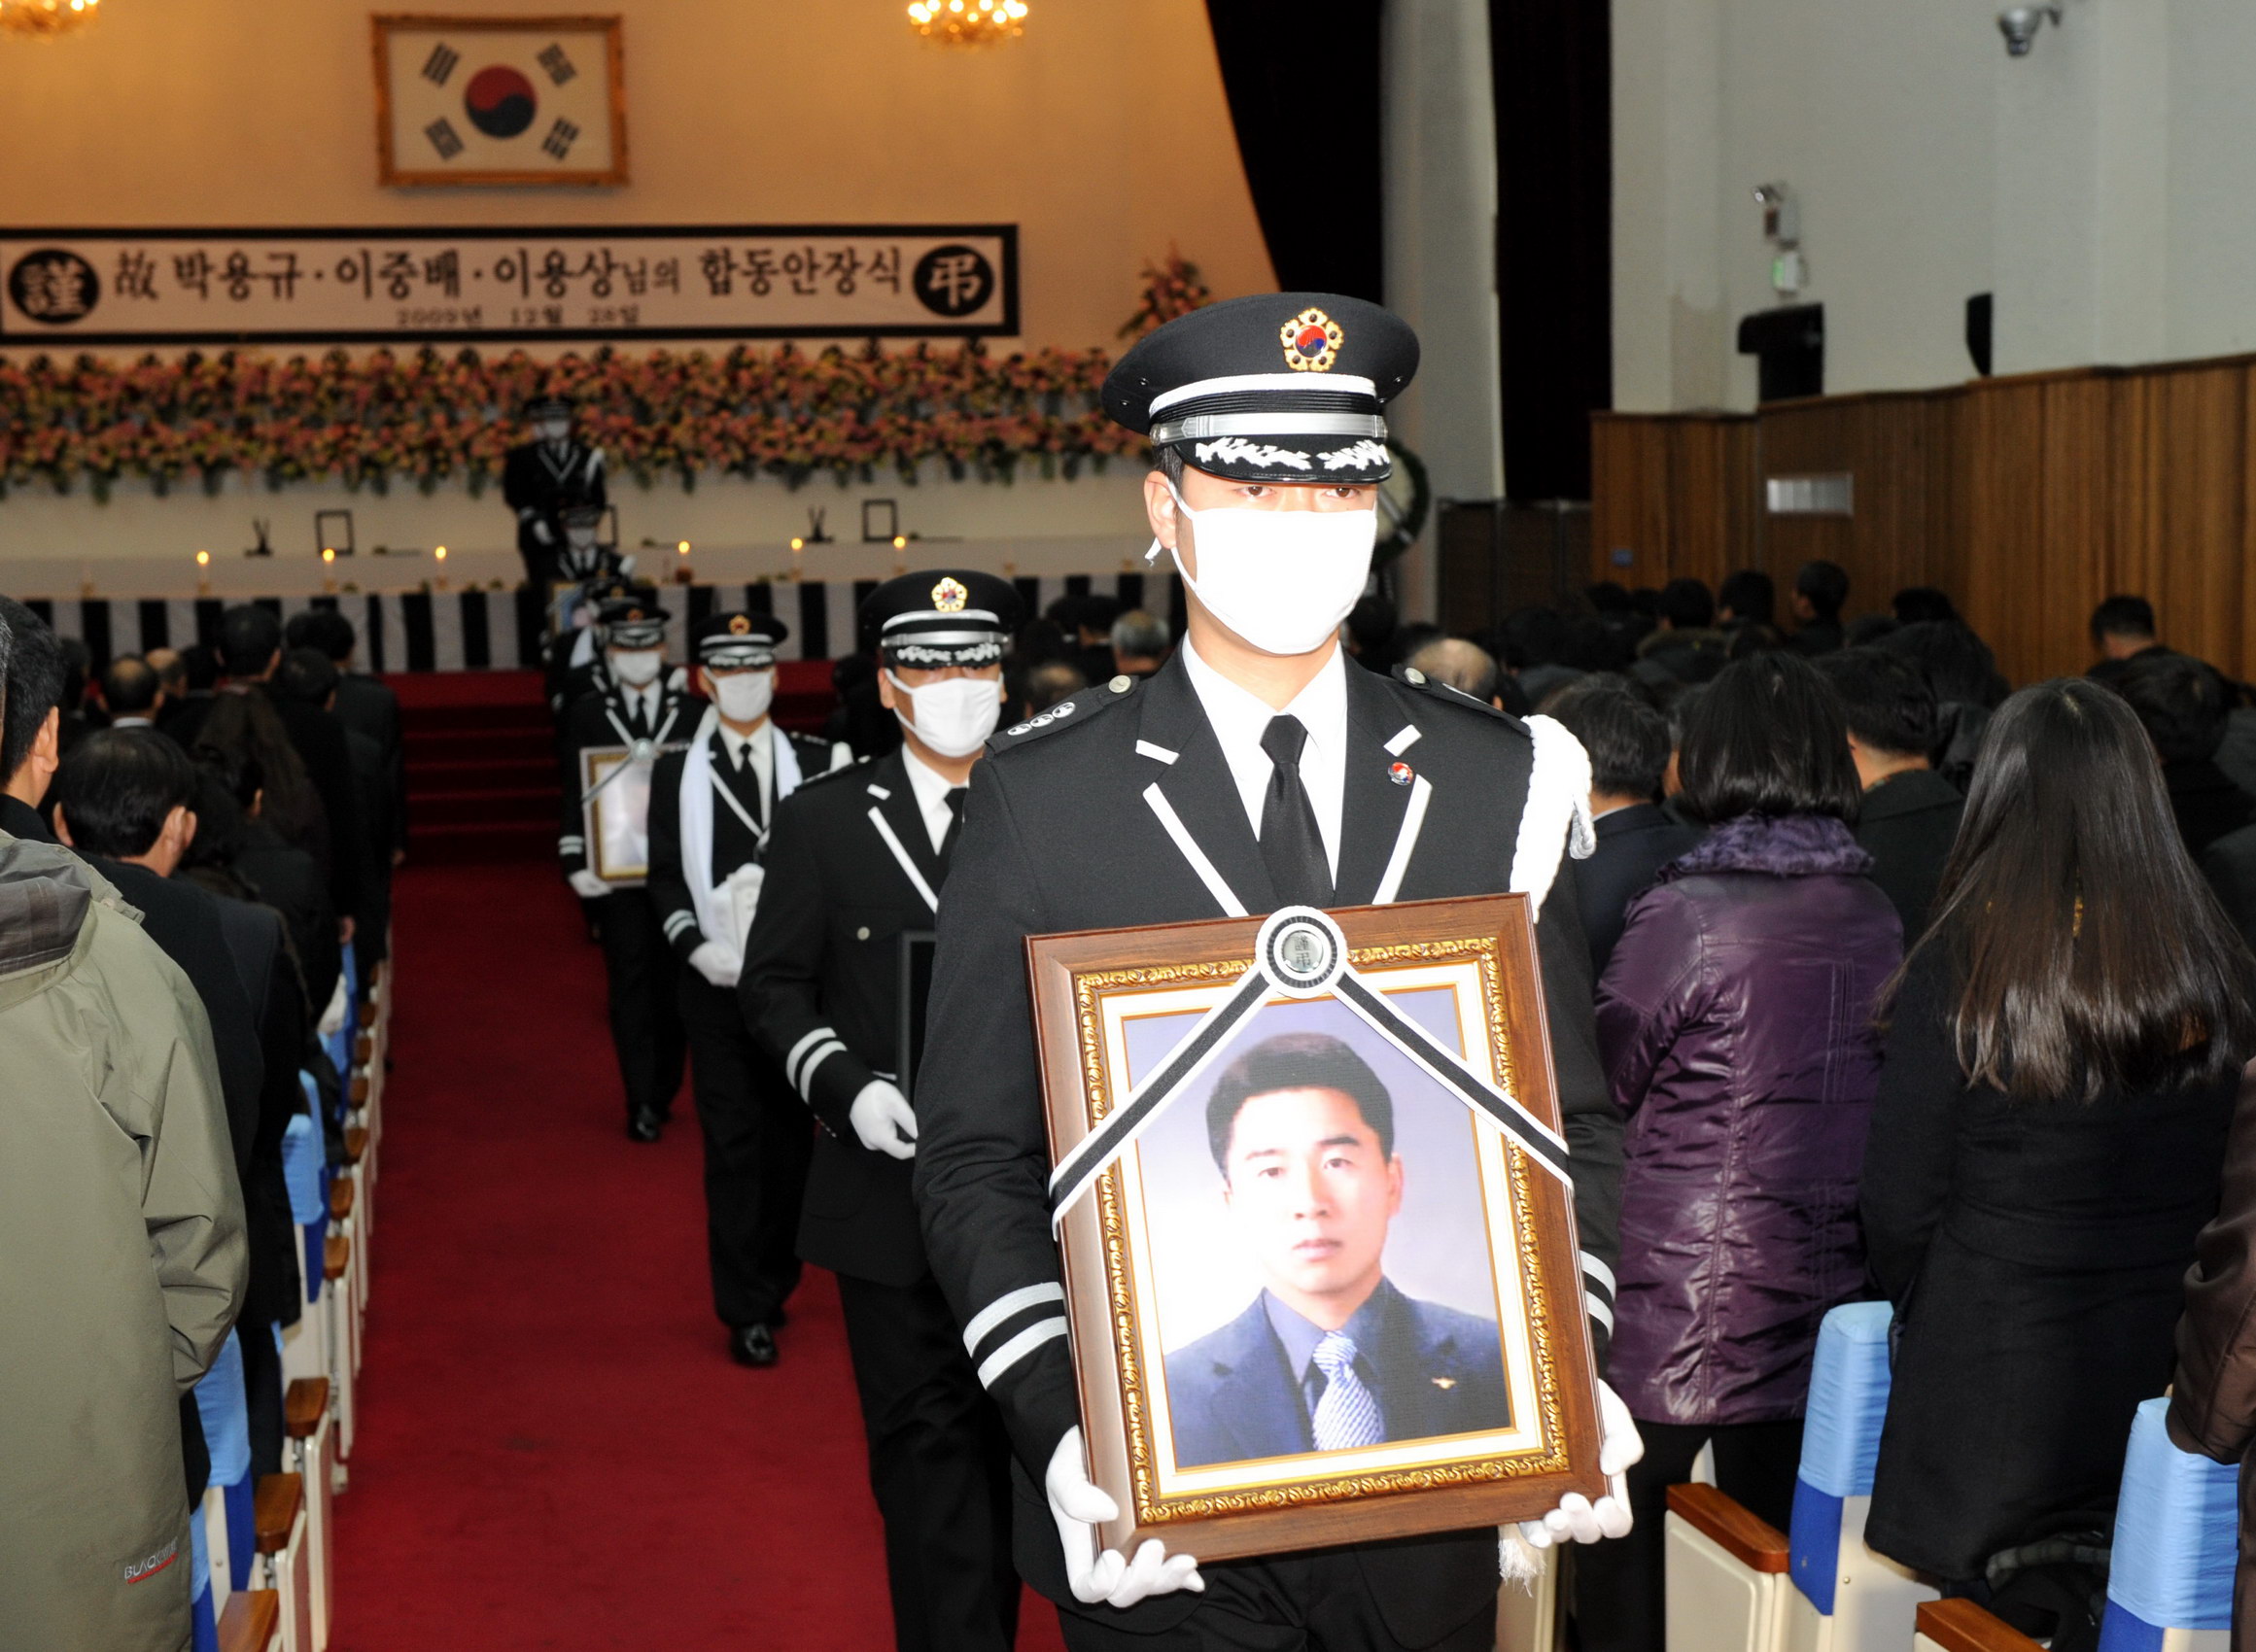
2243, 663
2003, 431
1711, 483
1630, 501
2058, 578
2193, 476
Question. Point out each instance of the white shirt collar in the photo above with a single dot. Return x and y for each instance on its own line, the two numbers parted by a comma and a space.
930, 788
760, 744
1238, 718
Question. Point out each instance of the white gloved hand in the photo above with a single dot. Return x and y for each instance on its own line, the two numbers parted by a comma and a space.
880, 1116
1577, 1519
1093, 1572
587, 885
718, 964
541, 531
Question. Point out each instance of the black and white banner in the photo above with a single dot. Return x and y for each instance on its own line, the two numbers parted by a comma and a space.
474, 630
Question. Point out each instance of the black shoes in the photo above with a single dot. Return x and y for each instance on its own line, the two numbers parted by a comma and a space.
645, 1124
752, 1345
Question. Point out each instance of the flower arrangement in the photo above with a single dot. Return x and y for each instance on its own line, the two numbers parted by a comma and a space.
429, 416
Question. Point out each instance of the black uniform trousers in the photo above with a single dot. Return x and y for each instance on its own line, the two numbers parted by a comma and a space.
1308, 1603
939, 1465
757, 1142
639, 969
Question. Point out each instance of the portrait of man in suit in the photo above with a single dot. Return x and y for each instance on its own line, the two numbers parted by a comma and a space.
1330, 1354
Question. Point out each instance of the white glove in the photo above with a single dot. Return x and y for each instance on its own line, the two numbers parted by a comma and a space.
587, 885
541, 530
1576, 1518
1093, 1572
718, 964
880, 1116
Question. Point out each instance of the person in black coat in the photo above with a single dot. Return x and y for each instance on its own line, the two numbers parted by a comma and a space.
542, 478
1910, 817
365, 706
832, 985
2032, 1186
712, 802
1821, 587
1184, 798
2183, 705
1629, 744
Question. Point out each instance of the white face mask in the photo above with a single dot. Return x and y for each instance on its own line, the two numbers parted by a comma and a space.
637, 668
744, 697
579, 539
1281, 579
953, 716
552, 429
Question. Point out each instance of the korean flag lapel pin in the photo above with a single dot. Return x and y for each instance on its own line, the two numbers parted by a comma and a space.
1401, 773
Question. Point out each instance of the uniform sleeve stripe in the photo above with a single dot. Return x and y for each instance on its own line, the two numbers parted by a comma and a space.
799, 1051
1600, 1276
676, 922
822, 1054
571, 843
1600, 1311
1010, 1302
998, 1363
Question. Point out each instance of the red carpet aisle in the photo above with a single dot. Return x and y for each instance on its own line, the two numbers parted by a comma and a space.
554, 1450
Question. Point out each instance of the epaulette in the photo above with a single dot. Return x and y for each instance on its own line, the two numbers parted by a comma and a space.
811, 781
1076, 709
1409, 676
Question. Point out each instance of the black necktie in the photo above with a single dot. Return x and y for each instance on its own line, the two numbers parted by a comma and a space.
638, 724
1291, 844
954, 800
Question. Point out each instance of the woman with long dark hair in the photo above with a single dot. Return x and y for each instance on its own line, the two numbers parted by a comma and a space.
242, 731
1735, 1022
2065, 1044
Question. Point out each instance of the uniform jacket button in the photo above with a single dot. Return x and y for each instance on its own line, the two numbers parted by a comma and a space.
862, 934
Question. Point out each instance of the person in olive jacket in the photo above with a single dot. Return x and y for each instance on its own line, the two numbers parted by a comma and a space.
2061, 1059
1734, 1019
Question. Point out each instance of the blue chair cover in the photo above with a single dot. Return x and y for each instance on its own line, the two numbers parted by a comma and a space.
302, 1170
1849, 1386
2176, 1537
227, 1416
201, 1615
340, 1042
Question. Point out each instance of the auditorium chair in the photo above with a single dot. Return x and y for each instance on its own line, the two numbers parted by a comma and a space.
1961, 1626
1736, 1584
252, 1621
286, 1556
312, 1435
226, 1506
2170, 1582
305, 1345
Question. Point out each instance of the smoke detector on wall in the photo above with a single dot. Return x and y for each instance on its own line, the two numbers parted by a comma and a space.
2019, 25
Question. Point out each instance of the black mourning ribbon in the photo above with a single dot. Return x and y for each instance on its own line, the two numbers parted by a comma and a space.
954, 800
1290, 846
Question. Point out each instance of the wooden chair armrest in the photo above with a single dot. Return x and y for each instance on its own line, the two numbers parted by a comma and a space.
359, 1092
1751, 1541
303, 1406
336, 1256
274, 1510
1961, 1626
340, 1198
356, 1143
363, 1049
250, 1620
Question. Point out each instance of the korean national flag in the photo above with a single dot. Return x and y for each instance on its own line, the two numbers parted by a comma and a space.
512, 99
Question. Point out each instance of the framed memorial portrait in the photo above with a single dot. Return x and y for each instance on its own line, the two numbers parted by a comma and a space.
1317, 1234
536, 100
614, 788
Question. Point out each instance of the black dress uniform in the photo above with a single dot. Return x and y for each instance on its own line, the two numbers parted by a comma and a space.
1119, 810
756, 1134
645, 1016
540, 480
851, 871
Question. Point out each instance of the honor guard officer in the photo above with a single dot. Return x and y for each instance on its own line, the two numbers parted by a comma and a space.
572, 660
642, 707
856, 870
1257, 769
712, 806
544, 476
583, 555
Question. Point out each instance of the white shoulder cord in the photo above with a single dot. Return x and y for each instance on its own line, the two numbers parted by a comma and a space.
1557, 813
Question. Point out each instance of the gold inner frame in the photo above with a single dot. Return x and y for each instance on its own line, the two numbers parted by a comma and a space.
1090, 989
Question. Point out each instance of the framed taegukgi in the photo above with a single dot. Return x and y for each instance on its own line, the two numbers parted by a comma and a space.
614, 788
500, 100
1318, 1237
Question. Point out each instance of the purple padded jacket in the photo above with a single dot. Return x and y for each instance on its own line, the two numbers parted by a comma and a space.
1735, 1020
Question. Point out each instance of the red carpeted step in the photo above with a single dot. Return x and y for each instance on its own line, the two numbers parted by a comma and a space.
481, 766
553, 1448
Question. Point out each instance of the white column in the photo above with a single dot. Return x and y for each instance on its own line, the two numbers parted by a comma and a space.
2083, 190
1439, 140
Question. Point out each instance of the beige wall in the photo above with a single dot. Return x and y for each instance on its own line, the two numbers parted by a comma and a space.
1104, 133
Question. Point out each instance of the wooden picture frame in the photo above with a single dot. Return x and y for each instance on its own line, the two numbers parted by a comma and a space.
1478, 1219
543, 130
615, 813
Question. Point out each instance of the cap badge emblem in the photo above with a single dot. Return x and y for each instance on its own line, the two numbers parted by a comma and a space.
1312, 341
634, 614
949, 596
1399, 773
739, 624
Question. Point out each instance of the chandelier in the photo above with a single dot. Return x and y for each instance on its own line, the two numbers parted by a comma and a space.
964, 22
47, 17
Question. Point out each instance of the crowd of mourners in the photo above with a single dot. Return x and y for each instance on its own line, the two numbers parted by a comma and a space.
195, 846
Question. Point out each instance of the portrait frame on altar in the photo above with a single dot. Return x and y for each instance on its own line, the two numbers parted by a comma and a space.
1317, 1238
513, 102
615, 813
